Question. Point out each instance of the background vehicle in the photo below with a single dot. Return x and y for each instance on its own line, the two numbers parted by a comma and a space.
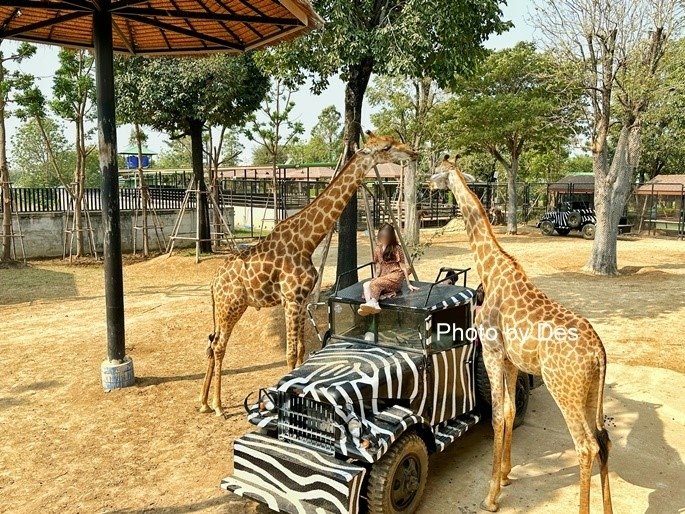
352, 428
575, 216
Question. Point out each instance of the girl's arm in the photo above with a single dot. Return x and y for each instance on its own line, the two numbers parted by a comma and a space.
405, 270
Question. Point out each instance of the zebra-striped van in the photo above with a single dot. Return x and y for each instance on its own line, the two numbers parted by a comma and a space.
351, 429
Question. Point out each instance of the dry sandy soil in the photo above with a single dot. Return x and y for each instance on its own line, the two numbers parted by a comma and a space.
67, 446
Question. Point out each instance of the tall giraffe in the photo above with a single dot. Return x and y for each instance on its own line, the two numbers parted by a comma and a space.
525, 330
279, 269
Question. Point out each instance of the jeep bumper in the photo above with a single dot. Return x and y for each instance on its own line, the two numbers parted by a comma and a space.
289, 478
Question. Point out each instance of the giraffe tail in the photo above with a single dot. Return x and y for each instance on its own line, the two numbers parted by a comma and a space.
601, 434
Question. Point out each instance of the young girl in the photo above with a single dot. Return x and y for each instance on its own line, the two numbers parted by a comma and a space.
391, 271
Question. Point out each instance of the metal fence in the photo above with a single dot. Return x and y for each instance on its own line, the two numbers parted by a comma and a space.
644, 211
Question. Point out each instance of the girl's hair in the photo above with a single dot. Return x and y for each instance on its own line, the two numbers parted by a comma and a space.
480, 295
392, 243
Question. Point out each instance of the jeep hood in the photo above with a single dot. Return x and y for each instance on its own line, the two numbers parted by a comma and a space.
356, 373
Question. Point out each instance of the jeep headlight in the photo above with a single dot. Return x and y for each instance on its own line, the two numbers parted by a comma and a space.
355, 428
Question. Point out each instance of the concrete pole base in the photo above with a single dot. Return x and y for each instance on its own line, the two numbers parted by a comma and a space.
117, 375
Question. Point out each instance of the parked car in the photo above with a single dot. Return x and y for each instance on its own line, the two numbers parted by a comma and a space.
575, 216
351, 430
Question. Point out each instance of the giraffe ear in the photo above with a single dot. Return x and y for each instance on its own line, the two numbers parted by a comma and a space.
365, 150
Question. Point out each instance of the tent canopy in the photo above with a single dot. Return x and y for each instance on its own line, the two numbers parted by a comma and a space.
664, 185
161, 27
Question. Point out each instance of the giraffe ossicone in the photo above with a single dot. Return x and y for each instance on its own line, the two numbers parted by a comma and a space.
279, 269
572, 363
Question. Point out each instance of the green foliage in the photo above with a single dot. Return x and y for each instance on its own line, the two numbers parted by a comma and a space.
170, 93
518, 98
577, 164
663, 129
176, 155
73, 86
325, 142
414, 38
272, 127
31, 160
12, 80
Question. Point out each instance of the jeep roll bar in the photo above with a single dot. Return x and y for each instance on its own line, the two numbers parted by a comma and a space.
337, 281
450, 274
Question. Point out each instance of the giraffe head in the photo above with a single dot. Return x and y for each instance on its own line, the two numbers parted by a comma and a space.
386, 149
446, 171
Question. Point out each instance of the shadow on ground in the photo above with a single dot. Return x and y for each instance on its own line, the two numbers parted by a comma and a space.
30, 284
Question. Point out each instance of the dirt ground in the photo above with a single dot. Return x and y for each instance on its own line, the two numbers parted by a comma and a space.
67, 446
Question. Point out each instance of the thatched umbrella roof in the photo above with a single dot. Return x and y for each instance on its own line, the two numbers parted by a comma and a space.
166, 27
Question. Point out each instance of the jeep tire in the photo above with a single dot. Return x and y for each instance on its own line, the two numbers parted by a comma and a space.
574, 219
588, 231
484, 393
398, 479
546, 227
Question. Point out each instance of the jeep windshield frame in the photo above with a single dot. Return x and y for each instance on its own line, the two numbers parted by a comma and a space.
399, 328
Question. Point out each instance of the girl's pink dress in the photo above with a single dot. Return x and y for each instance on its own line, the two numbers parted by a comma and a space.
391, 276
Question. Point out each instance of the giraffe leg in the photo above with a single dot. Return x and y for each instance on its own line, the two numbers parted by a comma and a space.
494, 364
510, 380
294, 321
573, 408
226, 322
204, 395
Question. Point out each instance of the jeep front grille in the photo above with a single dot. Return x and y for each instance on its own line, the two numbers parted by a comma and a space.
307, 422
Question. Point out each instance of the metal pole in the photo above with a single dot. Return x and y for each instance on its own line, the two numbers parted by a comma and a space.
117, 370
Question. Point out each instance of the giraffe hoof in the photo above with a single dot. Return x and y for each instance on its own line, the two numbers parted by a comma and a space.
505, 481
205, 408
218, 412
489, 507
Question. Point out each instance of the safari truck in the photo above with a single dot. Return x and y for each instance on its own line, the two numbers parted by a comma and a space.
351, 430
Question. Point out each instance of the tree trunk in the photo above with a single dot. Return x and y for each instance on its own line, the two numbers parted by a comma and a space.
205, 244
411, 218
612, 188
5, 180
358, 80
143, 189
512, 175
78, 188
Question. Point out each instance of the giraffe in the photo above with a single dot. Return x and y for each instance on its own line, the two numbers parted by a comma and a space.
279, 269
522, 329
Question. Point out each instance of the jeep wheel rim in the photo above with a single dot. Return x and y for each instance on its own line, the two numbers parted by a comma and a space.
406, 482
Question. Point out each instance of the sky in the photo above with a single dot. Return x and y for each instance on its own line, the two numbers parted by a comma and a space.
307, 105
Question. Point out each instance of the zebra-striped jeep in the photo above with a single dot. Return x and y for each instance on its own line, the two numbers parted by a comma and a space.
575, 216
351, 429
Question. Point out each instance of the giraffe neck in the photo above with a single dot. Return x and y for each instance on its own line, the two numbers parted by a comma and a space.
488, 253
309, 226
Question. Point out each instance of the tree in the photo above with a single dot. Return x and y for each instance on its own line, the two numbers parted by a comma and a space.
183, 96
327, 134
618, 47
516, 100
74, 98
222, 149
405, 109
176, 155
8, 82
325, 140
274, 130
31, 156
663, 129
412, 38
73, 90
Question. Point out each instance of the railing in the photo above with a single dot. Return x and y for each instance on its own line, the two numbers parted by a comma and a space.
58, 199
